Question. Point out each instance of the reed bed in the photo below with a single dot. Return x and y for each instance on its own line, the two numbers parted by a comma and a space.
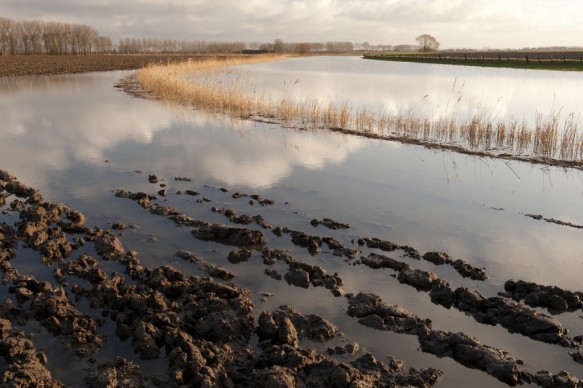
549, 138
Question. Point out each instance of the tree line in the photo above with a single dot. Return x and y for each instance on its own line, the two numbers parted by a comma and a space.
40, 37
56, 38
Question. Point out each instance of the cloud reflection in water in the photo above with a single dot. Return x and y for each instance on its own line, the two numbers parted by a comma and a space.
55, 123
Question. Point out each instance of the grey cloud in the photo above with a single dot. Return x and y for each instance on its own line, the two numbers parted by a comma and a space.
456, 23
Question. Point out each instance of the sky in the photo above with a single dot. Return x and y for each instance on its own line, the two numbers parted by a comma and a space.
474, 24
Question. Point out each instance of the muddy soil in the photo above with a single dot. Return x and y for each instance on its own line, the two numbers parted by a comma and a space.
203, 327
206, 330
24, 65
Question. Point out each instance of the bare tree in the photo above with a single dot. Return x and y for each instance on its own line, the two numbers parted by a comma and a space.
103, 45
278, 46
6, 26
427, 43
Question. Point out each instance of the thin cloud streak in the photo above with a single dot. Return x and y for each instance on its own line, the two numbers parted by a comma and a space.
455, 23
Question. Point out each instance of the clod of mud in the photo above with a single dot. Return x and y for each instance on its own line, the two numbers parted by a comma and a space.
243, 219
513, 316
210, 268
134, 267
554, 221
240, 237
183, 179
284, 364
23, 365
469, 352
271, 256
239, 255
371, 311
152, 179
389, 246
553, 298
577, 357
272, 273
350, 349
52, 309
286, 326
302, 239
107, 245
463, 268
254, 198
121, 374
329, 223
377, 261
421, 280
301, 274
491, 311
314, 243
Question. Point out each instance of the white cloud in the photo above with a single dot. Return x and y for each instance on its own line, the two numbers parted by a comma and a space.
456, 23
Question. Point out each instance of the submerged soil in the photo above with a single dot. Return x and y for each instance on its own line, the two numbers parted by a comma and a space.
204, 330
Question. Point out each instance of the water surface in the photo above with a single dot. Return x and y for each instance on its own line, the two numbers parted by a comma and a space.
76, 138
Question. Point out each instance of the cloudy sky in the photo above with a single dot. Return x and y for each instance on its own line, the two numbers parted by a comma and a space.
455, 23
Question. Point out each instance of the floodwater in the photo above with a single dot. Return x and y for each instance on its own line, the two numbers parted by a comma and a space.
432, 91
76, 138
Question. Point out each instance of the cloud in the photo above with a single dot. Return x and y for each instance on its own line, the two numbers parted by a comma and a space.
456, 23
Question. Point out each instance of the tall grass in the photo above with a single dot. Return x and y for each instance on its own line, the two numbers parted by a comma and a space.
550, 138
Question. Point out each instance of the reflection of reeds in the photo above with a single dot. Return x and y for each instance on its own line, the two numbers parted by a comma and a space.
549, 138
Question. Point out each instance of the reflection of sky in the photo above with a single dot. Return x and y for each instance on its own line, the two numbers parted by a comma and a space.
57, 137
429, 89
426, 199
83, 119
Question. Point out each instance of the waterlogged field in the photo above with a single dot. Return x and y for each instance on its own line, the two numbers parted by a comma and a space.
352, 227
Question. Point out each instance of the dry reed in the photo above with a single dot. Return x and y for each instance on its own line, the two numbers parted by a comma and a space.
549, 138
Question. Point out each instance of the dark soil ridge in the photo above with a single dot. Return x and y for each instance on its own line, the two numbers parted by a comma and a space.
203, 326
514, 317
539, 217
329, 223
553, 298
437, 258
372, 312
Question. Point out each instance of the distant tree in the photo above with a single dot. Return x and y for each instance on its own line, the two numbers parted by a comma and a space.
302, 48
278, 46
6, 26
427, 43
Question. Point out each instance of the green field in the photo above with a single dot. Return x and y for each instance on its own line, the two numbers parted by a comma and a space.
570, 61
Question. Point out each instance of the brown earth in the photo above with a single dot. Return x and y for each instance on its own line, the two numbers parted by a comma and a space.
23, 65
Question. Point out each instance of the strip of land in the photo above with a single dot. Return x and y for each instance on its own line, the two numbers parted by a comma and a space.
26, 65
567, 61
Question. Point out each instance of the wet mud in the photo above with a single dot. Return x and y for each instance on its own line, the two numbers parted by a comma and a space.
206, 330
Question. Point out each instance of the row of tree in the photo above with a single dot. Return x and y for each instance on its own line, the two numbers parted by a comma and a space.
143, 46
134, 46
40, 37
